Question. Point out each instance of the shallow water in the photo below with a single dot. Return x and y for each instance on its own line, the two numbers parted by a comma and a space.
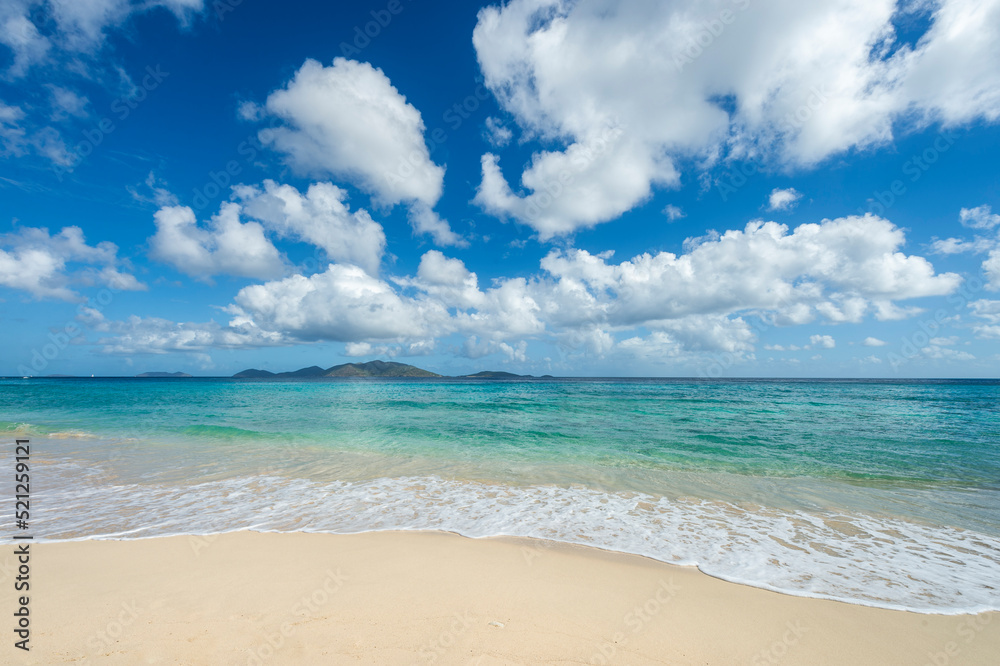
883, 493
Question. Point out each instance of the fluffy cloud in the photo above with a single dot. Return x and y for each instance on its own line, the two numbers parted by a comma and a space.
951, 76
320, 217
981, 217
61, 40
840, 268
663, 305
673, 212
426, 221
984, 218
72, 27
958, 246
230, 245
785, 83
343, 303
153, 335
873, 342
363, 349
989, 312
12, 134
597, 178
708, 333
66, 103
226, 246
448, 281
946, 353
348, 121
19, 136
677, 339
31, 260
497, 133
992, 269
153, 190
783, 199
21, 36
822, 341
346, 304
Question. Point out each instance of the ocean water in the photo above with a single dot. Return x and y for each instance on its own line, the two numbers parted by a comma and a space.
873, 492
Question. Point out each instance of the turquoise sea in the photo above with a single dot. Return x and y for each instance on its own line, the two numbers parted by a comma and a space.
884, 493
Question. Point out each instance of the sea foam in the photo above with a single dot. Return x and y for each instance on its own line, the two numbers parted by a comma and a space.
852, 557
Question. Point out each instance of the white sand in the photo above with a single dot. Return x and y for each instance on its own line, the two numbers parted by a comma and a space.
433, 598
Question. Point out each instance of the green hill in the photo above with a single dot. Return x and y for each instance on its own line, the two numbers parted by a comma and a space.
369, 369
161, 375
495, 374
378, 369
254, 373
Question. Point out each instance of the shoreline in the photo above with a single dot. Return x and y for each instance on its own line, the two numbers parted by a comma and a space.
548, 544
429, 597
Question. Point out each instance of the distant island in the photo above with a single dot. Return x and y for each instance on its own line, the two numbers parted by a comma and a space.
370, 369
493, 374
373, 369
163, 374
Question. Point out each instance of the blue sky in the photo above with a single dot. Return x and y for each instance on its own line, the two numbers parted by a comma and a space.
721, 188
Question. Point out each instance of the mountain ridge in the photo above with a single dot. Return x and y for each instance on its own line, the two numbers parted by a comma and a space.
163, 375
376, 368
369, 369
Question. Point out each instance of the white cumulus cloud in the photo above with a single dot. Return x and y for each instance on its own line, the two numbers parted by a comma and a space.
981, 217
783, 83
673, 212
783, 199
224, 246
704, 301
988, 311
34, 261
154, 335
320, 217
839, 268
342, 303
497, 133
823, 341
348, 121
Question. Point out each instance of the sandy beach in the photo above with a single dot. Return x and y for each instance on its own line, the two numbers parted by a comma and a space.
438, 598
